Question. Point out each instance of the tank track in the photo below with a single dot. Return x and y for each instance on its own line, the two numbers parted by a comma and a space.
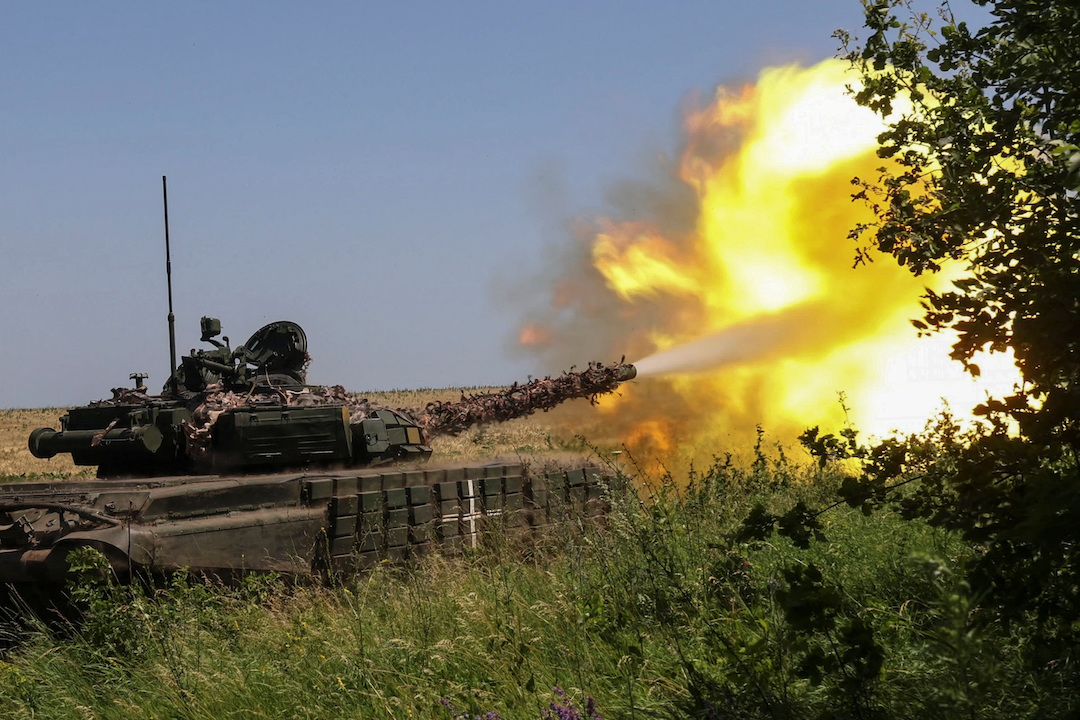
321, 526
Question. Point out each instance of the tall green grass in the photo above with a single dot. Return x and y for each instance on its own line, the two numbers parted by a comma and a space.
661, 610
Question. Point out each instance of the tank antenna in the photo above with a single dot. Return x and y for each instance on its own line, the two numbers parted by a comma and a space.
168, 280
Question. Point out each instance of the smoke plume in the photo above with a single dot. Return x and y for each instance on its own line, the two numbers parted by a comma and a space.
727, 278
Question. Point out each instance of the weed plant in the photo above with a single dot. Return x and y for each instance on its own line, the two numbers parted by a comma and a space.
667, 608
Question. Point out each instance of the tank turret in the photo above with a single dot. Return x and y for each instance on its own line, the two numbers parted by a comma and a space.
249, 409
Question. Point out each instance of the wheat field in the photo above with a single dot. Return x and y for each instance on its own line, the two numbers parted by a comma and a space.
569, 431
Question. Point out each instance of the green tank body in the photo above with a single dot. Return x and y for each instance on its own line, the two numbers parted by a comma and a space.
240, 465
291, 523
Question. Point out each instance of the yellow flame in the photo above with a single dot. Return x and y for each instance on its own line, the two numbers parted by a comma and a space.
640, 263
770, 268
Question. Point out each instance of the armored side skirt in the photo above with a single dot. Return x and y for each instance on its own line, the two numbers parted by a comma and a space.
290, 524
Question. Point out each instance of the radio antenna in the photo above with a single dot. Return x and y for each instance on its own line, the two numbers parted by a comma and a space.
168, 279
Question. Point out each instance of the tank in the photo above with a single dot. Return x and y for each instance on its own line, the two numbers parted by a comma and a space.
239, 465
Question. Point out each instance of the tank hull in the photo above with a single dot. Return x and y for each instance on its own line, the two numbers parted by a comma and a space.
296, 524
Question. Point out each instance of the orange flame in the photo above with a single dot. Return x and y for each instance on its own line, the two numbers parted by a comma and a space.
533, 334
756, 295
652, 437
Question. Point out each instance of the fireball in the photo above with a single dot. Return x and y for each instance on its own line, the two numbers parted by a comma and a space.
751, 314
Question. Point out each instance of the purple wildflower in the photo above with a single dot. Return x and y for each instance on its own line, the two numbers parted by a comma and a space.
489, 715
563, 708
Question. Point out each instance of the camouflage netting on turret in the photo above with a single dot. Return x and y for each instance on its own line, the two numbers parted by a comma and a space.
437, 418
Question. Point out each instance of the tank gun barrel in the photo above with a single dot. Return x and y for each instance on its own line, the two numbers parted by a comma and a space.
442, 418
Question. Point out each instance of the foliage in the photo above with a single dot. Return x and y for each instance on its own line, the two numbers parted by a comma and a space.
983, 169
1017, 512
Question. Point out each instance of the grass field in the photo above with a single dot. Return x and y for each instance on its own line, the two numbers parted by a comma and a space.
659, 612
16, 462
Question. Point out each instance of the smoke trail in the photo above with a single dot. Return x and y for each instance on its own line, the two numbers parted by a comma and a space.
766, 336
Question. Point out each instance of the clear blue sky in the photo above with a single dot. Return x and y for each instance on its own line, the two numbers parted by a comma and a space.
370, 170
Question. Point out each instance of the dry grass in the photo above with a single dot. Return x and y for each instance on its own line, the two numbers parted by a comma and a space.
539, 438
15, 457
